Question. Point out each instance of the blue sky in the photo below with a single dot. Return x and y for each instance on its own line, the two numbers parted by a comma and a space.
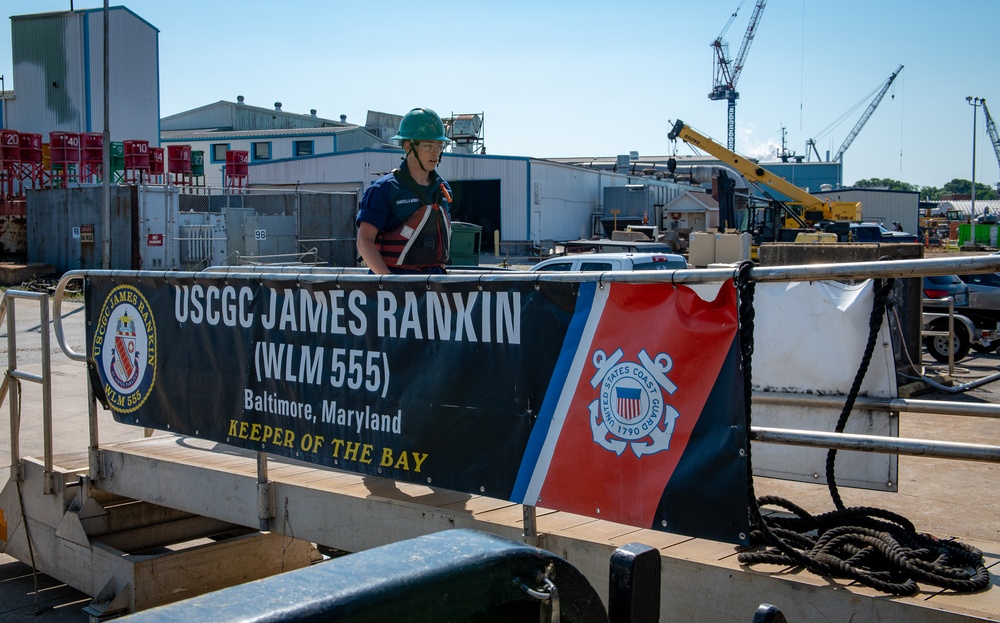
595, 78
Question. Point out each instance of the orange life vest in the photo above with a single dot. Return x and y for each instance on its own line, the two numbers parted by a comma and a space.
422, 240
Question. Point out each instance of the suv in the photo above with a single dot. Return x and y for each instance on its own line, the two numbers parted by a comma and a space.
604, 262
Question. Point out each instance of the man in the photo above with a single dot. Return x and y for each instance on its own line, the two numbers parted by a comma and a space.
404, 223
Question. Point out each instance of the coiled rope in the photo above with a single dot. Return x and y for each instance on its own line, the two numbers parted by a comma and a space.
873, 546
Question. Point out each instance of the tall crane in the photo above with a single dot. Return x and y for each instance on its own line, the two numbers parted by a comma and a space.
868, 113
991, 129
727, 71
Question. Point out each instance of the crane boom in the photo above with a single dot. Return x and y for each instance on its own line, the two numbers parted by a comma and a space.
868, 113
831, 210
747, 40
727, 71
991, 129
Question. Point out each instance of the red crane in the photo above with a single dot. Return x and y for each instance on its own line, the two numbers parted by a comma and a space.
727, 71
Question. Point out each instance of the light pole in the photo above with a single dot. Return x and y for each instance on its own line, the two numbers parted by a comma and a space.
975, 102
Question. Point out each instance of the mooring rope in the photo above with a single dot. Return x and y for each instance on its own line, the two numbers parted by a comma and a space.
873, 546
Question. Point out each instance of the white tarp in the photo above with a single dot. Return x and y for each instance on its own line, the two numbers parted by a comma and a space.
809, 338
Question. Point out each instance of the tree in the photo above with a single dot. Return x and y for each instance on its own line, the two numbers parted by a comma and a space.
930, 193
964, 187
886, 183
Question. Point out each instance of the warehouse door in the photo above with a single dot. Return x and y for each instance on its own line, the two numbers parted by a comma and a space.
478, 202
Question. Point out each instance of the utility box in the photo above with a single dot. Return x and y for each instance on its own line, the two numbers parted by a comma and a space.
732, 247
701, 251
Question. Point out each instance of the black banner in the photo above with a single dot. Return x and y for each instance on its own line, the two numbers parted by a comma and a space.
437, 383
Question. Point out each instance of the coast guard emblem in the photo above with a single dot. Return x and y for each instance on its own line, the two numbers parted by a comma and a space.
630, 410
125, 348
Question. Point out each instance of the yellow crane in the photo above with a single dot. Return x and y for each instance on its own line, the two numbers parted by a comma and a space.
802, 210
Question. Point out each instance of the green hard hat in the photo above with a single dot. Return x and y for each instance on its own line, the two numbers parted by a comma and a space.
421, 124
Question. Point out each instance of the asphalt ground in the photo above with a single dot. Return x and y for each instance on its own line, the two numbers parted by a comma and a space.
942, 497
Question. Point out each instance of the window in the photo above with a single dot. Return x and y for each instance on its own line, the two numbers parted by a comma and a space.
302, 148
219, 152
557, 266
261, 151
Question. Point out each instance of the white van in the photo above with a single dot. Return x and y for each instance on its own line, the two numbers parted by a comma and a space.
605, 262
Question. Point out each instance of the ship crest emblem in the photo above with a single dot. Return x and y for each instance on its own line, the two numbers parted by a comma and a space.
630, 411
124, 348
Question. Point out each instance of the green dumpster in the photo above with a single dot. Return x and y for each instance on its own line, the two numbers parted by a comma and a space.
465, 239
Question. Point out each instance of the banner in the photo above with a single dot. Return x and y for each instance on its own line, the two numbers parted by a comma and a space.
617, 401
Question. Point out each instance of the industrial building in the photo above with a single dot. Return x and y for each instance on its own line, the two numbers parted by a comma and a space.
239, 147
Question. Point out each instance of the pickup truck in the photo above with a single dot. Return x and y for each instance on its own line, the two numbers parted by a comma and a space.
873, 232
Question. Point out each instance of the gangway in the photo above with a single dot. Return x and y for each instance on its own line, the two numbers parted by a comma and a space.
295, 501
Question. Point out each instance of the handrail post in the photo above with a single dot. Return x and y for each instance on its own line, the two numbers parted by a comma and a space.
265, 504
47, 395
530, 523
14, 392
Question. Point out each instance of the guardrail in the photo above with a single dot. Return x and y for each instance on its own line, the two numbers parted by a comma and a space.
11, 382
858, 270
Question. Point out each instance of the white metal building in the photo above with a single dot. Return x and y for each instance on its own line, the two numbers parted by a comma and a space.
268, 145
963, 208
59, 74
882, 205
526, 199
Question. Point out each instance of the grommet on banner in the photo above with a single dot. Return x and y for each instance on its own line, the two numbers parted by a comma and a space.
427, 284
380, 281
600, 281
479, 283
537, 277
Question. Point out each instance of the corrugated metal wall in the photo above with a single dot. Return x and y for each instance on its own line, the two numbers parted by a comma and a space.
212, 116
135, 79
65, 227
513, 175
883, 206
563, 201
58, 74
48, 75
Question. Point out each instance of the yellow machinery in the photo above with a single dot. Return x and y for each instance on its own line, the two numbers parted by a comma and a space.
802, 211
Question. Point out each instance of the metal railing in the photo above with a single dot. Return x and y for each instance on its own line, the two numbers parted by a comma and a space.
297, 274
14, 375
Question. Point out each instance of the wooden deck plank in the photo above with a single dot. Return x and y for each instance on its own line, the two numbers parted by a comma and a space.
477, 504
601, 531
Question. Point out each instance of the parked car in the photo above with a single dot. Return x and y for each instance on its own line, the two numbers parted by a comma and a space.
939, 287
603, 262
935, 319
